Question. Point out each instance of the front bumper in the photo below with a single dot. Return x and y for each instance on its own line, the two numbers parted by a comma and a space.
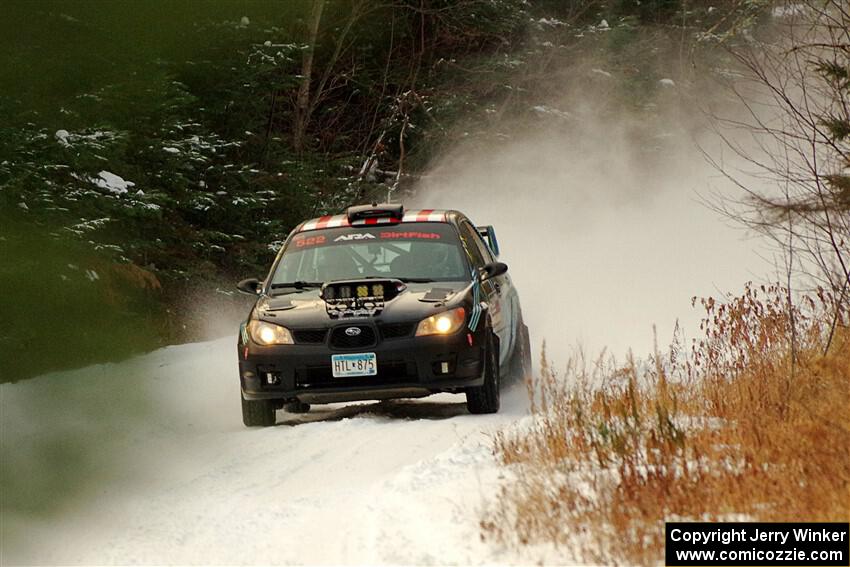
407, 367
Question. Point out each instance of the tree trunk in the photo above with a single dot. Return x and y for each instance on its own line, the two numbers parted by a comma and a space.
302, 101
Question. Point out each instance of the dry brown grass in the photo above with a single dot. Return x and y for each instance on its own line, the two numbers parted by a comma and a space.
731, 426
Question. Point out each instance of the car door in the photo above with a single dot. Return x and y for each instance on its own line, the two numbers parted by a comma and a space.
507, 298
496, 290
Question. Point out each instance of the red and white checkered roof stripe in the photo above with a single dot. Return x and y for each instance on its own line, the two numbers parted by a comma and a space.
335, 221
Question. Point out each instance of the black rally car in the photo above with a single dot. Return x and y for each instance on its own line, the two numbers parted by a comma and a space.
381, 303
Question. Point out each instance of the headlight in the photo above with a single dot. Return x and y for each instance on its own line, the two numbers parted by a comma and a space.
444, 323
267, 334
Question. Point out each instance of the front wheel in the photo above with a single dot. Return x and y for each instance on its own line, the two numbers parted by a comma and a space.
257, 413
485, 398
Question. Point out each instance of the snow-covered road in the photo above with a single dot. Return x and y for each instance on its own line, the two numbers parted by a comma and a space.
159, 469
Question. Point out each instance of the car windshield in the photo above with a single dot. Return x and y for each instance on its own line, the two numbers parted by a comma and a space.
409, 251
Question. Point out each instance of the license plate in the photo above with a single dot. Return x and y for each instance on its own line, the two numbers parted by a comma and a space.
361, 364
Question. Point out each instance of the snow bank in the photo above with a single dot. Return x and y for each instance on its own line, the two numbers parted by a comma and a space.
93, 138
115, 184
63, 136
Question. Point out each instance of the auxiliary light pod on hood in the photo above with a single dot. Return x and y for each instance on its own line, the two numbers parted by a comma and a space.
353, 298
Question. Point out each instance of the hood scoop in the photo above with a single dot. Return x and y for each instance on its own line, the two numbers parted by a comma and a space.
437, 294
272, 305
359, 298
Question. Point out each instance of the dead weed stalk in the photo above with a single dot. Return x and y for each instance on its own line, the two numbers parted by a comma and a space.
749, 422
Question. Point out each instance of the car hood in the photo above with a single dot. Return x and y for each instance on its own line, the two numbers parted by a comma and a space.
305, 309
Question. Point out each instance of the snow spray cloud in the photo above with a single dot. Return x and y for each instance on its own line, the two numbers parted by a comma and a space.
214, 313
600, 218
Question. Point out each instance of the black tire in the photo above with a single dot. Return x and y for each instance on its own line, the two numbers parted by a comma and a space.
296, 407
485, 398
521, 357
257, 413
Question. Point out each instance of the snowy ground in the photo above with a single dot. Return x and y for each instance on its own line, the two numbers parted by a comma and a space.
168, 474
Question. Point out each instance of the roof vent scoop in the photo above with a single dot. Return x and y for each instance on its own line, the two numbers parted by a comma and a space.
388, 211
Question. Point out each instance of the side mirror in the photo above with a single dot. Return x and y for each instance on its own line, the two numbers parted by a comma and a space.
493, 270
250, 286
